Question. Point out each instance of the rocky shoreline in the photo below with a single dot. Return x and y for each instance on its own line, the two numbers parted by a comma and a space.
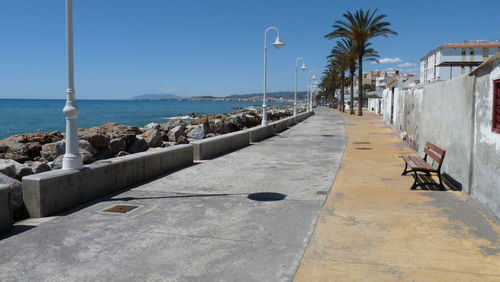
31, 153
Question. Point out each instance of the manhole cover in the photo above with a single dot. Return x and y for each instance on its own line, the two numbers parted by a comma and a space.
359, 143
364, 148
327, 135
321, 193
120, 209
266, 196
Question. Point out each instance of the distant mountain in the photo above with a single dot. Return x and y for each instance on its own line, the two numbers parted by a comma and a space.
156, 97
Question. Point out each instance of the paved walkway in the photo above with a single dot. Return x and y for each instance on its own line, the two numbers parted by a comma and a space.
374, 228
197, 224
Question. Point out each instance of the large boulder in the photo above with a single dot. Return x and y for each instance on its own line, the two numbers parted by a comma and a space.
38, 137
14, 169
175, 133
138, 145
7, 168
16, 195
18, 151
53, 150
197, 132
153, 137
103, 154
117, 145
38, 167
152, 125
95, 136
115, 130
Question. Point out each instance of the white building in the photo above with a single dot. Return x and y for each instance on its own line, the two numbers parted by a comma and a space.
453, 59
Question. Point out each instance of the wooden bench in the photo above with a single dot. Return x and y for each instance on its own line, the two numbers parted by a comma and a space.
417, 164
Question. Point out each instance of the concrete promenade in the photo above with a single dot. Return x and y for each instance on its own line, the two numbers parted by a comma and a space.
206, 222
374, 228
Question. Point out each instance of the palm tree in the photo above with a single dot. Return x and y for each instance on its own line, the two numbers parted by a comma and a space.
346, 48
329, 81
360, 28
342, 57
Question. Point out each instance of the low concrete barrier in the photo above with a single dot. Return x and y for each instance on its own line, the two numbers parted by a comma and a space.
54, 191
260, 133
219, 145
279, 126
5, 211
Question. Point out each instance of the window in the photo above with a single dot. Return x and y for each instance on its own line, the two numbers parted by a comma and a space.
496, 106
463, 51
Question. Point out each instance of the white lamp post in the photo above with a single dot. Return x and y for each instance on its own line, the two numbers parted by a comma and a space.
313, 92
313, 77
303, 67
72, 158
278, 44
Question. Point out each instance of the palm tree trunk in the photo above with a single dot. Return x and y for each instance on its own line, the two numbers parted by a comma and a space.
341, 106
360, 84
351, 108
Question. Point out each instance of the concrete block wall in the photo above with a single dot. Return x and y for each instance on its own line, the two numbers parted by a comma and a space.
212, 147
259, 133
485, 175
456, 115
55, 191
5, 210
279, 126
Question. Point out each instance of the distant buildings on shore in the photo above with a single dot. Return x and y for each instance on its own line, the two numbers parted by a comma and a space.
454, 59
283, 96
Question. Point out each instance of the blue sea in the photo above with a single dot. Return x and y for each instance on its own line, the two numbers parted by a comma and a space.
24, 116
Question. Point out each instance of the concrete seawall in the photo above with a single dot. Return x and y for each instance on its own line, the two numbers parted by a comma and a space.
5, 212
55, 191
216, 146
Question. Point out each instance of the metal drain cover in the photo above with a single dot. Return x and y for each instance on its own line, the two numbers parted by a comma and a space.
321, 193
120, 209
359, 143
364, 148
327, 135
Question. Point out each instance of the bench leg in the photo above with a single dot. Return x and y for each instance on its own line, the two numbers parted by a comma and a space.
414, 186
405, 171
441, 181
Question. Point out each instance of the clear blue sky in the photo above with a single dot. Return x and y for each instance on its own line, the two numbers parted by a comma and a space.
125, 48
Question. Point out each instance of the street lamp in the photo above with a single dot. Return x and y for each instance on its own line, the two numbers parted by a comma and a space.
303, 67
313, 77
71, 158
313, 92
278, 44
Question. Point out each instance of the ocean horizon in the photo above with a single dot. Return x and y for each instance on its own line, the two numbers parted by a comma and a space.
19, 116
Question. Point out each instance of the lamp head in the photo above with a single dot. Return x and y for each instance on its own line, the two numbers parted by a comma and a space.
278, 43
303, 67
313, 77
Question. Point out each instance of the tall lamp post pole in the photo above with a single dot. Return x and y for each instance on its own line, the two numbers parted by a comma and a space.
72, 158
313, 92
278, 44
313, 77
303, 67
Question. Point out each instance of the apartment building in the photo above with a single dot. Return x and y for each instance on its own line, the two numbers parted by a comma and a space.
453, 59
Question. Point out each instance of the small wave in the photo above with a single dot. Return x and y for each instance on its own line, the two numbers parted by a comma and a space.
181, 117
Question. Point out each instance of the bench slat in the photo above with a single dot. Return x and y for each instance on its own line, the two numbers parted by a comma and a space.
435, 148
435, 157
415, 162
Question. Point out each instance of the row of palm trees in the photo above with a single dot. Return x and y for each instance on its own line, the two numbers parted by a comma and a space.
354, 33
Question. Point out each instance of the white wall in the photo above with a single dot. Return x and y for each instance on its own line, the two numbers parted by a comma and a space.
456, 115
486, 157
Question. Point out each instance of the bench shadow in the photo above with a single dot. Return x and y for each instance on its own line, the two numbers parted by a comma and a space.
449, 183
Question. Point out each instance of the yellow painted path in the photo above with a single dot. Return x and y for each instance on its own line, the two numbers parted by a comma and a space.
374, 228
